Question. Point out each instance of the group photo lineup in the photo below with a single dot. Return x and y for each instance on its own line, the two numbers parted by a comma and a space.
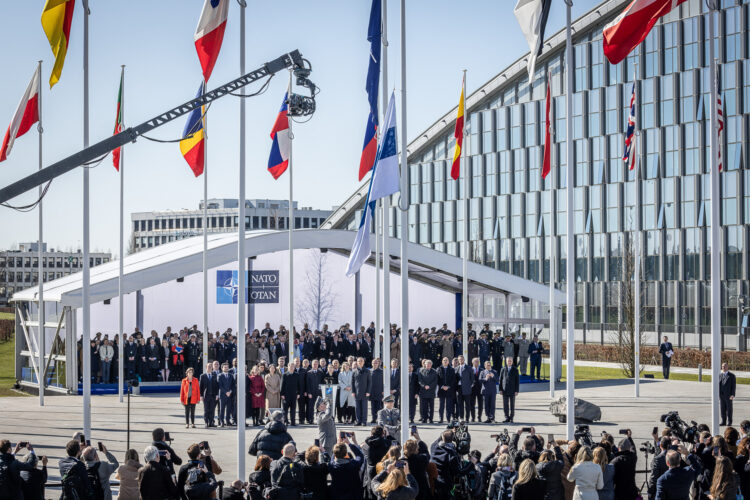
324, 250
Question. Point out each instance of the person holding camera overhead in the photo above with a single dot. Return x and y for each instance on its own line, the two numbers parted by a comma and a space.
344, 468
395, 483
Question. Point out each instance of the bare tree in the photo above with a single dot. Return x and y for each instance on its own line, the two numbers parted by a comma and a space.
623, 294
319, 300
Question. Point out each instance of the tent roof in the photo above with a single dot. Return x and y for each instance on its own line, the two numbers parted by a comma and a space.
181, 258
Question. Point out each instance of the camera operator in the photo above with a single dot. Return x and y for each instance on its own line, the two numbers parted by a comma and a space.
10, 469
624, 462
201, 483
103, 470
676, 482
236, 491
33, 480
658, 466
346, 482
314, 474
286, 476
549, 468
531, 444
448, 463
418, 457
194, 460
375, 448
168, 459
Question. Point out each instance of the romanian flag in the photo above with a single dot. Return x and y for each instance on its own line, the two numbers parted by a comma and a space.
192, 144
459, 134
118, 123
57, 17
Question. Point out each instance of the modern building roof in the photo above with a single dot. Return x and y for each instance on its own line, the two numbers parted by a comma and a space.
185, 257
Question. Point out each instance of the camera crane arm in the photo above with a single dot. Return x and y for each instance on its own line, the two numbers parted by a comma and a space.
298, 106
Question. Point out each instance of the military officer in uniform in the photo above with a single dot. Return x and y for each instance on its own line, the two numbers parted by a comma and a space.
389, 418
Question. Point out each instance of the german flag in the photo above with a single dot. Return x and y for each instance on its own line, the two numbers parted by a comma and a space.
57, 17
459, 134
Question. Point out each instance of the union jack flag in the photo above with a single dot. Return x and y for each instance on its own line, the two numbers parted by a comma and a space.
720, 126
630, 153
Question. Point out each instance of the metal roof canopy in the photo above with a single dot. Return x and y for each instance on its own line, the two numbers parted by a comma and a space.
184, 257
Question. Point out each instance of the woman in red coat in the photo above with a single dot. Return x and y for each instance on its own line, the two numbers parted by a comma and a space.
190, 395
256, 389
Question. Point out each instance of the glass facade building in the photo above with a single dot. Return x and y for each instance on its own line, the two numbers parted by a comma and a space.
510, 209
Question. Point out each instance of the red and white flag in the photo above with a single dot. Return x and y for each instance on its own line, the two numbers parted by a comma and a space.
546, 165
210, 33
632, 26
26, 115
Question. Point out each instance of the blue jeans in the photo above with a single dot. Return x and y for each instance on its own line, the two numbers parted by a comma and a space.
106, 365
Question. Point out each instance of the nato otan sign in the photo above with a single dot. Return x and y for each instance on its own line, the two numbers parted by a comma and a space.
262, 287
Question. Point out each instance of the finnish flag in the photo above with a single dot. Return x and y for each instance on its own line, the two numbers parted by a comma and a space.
384, 181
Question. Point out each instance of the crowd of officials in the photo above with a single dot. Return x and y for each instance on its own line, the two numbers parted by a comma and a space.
522, 466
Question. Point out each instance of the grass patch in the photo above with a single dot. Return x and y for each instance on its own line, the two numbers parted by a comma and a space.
596, 373
7, 368
4, 315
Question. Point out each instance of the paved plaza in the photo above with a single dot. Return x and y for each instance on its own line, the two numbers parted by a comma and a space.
49, 428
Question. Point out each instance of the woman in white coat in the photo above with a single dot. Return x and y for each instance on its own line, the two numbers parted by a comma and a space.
587, 476
346, 400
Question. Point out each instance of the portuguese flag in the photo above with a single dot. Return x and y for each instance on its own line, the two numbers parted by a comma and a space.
118, 123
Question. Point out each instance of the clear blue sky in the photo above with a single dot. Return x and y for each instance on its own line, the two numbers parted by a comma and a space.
155, 40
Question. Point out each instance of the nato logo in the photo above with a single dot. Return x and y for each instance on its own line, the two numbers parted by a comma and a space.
263, 287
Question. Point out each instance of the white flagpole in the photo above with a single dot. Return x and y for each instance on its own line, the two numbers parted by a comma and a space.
120, 342
386, 209
637, 188
241, 282
465, 250
205, 230
715, 237
404, 207
291, 227
376, 223
86, 276
40, 328
570, 230
552, 265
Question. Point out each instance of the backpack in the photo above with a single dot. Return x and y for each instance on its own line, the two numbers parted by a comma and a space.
96, 483
505, 487
6, 481
71, 486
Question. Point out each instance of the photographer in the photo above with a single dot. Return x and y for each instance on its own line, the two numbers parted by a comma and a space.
201, 484
375, 448
154, 480
236, 491
314, 475
448, 463
530, 446
194, 460
549, 468
396, 483
676, 482
10, 469
346, 482
624, 462
260, 478
418, 457
286, 476
167, 456
658, 466
103, 470
33, 480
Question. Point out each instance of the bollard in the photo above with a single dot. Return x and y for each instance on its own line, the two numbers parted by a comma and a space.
700, 372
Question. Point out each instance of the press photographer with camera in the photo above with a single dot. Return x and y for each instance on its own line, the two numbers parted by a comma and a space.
418, 457
531, 444
167, 457
549, 469
624, 462
676, 482
448, 461
658, 466
286, 476
346, 481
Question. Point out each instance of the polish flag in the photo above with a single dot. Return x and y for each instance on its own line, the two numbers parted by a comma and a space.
26, 115
210, 33
632, 26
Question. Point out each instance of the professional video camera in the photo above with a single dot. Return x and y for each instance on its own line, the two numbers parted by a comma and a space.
502, 438
461, 437
583, 435
683, 431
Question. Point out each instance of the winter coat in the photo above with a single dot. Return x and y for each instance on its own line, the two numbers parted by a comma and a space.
401, 493
345, 380
531, 490
287, 476
273, 390
624, 478
127, 474
346, 483
190, 388
550, 472
256, 386
315, 478
251, 353
608, 476
270, 440
264, 354
589, 478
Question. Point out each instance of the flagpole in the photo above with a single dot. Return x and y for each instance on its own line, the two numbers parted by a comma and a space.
715, 236
41, 312
291, 227
570, 230
465, 250
241, 281
205, 230
376, 223
404, 209
637, 189
552, 266
86, 300
385, 225
120, 342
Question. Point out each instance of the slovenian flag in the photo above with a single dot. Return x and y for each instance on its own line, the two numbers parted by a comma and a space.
192, 144
374, 34
383, 182
278, 161
27, 114
210, 33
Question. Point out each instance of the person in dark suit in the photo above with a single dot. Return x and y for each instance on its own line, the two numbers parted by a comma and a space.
376, 390
447, 390
428, 381
415, 350
465, 381
666, 351
302, 368
489, 390
361, 385
510, 383
395, 375
226, 389
676, 482
130, 353
290, 393
658, 466
413, 392
209, 386
727, 387
535, 357
476, 391
313, 378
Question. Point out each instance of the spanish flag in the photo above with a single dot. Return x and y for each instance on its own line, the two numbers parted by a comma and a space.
57, 17
192, 144
459, 134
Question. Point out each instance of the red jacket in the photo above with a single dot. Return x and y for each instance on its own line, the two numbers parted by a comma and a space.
192, 388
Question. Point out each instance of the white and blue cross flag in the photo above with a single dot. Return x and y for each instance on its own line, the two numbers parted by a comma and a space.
384, 181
